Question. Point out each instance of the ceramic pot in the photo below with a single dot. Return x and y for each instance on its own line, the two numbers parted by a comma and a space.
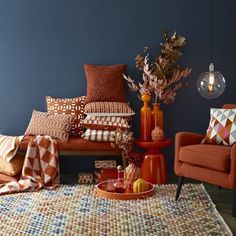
132, 173
157, 134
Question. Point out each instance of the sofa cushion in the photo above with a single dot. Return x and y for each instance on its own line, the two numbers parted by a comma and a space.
13, 167
214, 157
75, 144
222, 127
71, 106
55, 125
105, 83
121, 109
105, 122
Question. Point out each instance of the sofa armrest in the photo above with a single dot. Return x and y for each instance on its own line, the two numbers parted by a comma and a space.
184, 139
232, 175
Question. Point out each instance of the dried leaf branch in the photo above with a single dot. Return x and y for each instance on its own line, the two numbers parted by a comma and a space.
162, 77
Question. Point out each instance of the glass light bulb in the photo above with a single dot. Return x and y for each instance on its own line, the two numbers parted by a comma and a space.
211, 84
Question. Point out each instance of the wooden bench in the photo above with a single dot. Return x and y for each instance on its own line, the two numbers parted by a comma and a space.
74, 147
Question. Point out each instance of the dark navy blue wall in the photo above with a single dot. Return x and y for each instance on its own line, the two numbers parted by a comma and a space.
44, 44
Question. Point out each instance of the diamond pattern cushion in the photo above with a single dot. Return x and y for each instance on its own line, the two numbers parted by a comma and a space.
222, 127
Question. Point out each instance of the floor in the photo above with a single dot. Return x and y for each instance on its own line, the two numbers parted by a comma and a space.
221, 197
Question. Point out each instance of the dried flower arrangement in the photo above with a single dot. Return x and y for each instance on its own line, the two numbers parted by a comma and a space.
124, 140
162, 77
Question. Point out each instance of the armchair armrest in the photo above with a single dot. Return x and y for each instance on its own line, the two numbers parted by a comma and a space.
232, 175
184, 139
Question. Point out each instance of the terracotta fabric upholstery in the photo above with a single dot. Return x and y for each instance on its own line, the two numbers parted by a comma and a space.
13, 167
68, 106
226, 179
105, 83
75, 144
54, 125
210, 156
229, 106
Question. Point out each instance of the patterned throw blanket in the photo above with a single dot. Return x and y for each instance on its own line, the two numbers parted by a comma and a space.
40, 168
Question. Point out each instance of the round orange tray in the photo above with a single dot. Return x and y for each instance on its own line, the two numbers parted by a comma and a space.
100, 190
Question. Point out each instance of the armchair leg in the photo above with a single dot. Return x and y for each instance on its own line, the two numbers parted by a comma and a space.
180, 182
234, 204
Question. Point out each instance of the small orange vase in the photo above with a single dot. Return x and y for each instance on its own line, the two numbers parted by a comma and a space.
157, 117
146, 116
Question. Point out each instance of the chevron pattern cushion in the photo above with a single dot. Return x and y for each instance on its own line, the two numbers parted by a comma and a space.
222, 127
54, 125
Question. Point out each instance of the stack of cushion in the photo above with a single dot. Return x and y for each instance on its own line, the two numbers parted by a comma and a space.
106, 106
62, 119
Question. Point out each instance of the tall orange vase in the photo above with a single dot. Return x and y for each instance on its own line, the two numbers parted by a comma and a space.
157, 117
146, 119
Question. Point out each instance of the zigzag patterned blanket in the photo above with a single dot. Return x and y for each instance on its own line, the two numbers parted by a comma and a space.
40, 168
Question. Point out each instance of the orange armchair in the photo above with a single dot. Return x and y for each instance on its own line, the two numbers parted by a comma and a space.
214, 164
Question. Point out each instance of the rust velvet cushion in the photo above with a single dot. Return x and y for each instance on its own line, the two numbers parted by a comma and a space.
214, 157
105, 83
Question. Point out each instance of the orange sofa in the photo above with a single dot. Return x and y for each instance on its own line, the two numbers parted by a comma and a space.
214, 164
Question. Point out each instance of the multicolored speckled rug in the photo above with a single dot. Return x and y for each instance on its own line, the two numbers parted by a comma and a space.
76, 210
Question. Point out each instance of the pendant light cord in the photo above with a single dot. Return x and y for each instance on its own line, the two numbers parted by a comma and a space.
211, 30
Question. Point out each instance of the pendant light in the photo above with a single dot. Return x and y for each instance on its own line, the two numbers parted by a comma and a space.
211, 84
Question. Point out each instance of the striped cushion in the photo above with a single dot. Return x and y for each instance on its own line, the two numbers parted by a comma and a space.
54, 125
99, 135
72, 106
13, 167
105, 122
108, 109
9, 146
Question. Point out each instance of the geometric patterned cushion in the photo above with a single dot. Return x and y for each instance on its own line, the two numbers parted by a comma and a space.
222, 127
72, 106
99, 135
108, 109
54, 125
105, 122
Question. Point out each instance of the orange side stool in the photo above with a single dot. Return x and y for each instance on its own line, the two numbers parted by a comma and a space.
153, 167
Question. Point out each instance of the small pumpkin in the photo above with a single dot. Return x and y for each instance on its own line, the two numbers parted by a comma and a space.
140, 185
